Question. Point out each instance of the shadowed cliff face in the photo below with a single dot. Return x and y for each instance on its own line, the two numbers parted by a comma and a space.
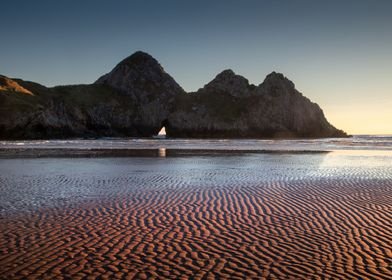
229, 107
154, 91
138, 97
132, 100
230, 83
66, 111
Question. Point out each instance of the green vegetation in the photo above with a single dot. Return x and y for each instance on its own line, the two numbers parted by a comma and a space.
85, 96
76, 96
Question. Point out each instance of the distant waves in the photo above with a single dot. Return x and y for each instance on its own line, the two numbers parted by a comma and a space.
362, 142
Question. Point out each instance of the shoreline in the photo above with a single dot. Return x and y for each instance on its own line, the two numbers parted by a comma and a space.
153, 152
118, 146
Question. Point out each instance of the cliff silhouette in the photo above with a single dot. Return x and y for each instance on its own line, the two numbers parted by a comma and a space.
137, 98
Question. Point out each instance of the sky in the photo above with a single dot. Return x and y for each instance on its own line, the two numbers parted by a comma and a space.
338, 53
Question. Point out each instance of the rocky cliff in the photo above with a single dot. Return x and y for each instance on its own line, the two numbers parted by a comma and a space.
67, 111
132, 100
154, 91
138, 97
229, 106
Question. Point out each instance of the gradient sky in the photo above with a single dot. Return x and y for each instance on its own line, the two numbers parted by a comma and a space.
338, 53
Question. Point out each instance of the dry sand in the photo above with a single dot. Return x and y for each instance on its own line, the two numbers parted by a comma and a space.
297, 229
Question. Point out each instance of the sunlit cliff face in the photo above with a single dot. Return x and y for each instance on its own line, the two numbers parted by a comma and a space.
10, 85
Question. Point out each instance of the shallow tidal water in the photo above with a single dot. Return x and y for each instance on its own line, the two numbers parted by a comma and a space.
357, 142
30, 183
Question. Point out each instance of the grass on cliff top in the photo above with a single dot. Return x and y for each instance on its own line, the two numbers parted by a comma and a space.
81, 96
87, 95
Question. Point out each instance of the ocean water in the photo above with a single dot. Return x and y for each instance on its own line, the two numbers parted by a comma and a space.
357, 142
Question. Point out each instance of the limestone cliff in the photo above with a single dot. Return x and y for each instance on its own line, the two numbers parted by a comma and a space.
229, 107
138, 97
153, 91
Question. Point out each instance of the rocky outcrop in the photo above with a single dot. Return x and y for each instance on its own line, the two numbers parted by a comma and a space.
228, 82
67, 111
130, 101
229, 107
154, 91
138, 97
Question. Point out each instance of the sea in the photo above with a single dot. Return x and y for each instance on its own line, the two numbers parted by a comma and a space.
356, 142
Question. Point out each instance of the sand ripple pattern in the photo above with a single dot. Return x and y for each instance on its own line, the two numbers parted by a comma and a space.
213, 224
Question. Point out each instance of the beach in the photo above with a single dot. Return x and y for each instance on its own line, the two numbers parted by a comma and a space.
196, 140
200, 215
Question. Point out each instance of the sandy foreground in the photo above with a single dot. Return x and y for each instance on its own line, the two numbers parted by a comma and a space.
200, 221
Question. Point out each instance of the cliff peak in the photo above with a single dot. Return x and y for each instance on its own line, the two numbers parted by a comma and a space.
276, 78
228, 82
227, 73
138, 75
140, 58
143, 79
276, 84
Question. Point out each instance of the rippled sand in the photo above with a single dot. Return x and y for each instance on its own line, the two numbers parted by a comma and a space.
250, 216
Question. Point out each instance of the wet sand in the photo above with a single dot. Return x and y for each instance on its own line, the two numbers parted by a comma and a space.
115, 152
216, 223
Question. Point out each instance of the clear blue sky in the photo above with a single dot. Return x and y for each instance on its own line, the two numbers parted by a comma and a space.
338, 53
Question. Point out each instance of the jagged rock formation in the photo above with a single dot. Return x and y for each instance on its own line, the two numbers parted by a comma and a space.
229, 107
132, 100
228, 82
143, 79
138, 97
67, 111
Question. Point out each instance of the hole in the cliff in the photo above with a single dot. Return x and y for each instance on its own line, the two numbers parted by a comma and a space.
162, 132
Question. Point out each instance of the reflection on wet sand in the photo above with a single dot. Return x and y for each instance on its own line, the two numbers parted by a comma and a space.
162, 152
